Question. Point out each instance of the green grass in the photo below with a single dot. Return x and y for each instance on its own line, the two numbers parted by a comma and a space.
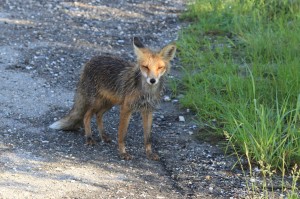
241, 62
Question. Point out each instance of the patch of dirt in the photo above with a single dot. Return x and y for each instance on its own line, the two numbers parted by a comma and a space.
43, 45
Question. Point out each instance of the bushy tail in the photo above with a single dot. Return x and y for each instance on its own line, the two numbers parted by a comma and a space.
74, 120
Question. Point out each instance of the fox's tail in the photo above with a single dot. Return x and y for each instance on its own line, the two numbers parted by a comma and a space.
74, 120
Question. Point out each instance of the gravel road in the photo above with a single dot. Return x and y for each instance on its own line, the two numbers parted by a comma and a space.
43, 45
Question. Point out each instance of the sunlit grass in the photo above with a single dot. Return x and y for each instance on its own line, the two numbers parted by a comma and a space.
242, 69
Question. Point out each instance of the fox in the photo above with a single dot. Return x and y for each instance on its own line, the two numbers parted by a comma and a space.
107, 81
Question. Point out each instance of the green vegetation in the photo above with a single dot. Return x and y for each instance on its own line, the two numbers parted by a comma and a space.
241, 60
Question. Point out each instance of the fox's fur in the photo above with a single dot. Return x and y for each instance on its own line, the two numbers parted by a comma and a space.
107, 81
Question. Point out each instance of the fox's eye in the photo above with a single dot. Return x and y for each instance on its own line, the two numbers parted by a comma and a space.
160, 67
145, 67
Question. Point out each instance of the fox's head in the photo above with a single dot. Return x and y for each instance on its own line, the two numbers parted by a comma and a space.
152, 64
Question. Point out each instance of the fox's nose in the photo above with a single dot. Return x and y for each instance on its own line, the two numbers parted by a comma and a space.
152, 81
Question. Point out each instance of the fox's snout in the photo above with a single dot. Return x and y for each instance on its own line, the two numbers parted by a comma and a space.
152, 81
152, 75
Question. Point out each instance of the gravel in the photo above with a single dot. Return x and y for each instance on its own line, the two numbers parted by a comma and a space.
43, 45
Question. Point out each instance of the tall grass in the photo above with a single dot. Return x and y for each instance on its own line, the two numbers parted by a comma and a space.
241, 60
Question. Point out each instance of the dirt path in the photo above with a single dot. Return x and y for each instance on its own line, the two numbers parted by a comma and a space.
43, 45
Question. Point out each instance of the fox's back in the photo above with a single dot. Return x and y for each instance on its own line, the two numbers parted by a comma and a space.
103, 73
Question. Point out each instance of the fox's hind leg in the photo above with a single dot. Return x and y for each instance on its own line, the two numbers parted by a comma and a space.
87, 127
99, 114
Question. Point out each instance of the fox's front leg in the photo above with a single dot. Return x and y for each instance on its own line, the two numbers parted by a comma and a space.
125, 114
147, 123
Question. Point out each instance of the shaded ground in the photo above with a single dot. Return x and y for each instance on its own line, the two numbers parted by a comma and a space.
43, 45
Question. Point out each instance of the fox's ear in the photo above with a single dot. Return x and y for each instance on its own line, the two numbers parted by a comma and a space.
168, 52
137, 45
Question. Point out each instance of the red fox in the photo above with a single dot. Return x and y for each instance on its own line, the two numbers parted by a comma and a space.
107, 81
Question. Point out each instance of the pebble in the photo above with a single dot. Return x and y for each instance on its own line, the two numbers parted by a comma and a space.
167, 98
252, 180
181, 118
175, 100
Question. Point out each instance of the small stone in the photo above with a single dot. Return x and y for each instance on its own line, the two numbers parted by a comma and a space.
256, 169
252, 180
181, 118
211, 189
167, 98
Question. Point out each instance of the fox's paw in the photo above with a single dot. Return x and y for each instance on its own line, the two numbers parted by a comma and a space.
153, 156
106, 138
90, 141
126, 156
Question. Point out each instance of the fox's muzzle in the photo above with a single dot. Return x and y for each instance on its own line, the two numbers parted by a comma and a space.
152, 81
